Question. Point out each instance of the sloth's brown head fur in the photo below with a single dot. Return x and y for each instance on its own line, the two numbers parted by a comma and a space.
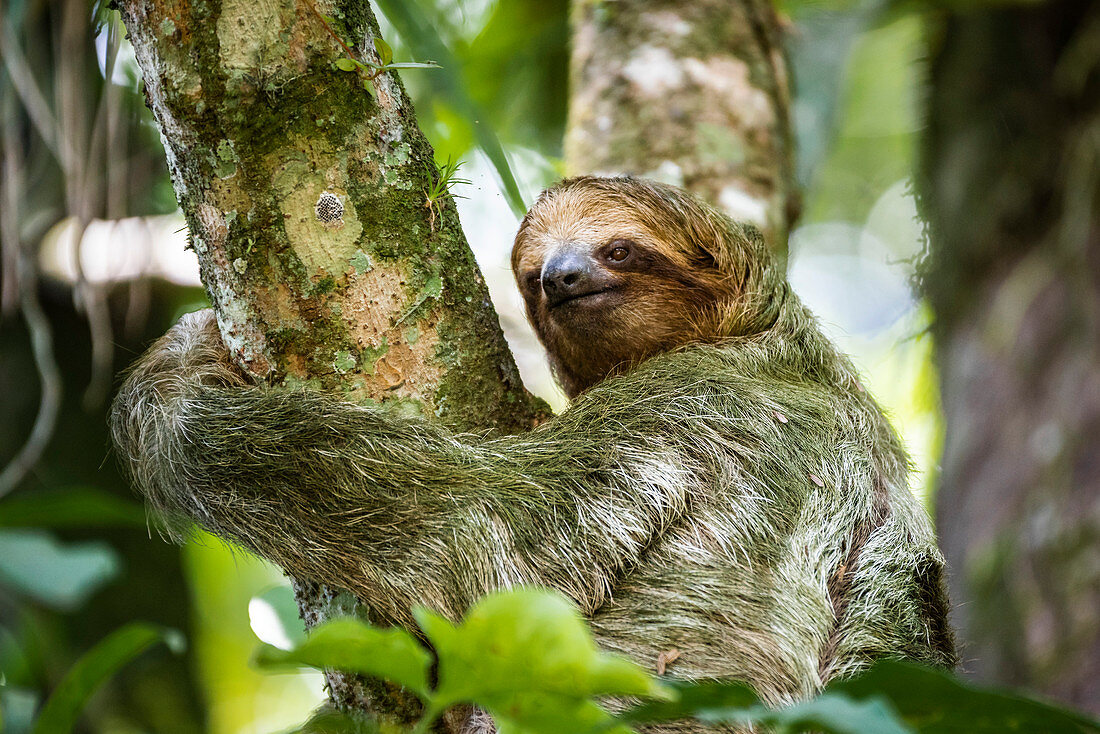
616, 270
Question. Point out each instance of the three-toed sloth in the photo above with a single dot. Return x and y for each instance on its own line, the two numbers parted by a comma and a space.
721, 484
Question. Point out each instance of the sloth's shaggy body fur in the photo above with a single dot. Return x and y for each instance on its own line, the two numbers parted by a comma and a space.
743, 501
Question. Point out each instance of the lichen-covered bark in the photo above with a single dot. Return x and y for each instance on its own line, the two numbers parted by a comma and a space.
1012, 190
306, 201
691, 93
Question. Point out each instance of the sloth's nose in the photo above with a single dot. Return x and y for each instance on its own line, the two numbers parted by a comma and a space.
566, 275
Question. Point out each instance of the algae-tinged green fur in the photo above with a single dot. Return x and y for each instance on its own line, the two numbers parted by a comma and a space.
742, 501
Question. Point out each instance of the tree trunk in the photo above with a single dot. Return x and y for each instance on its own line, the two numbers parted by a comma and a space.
1012, 191
694, 94
307, 203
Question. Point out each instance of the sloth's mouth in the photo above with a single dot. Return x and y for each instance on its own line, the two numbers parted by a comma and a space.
584, 299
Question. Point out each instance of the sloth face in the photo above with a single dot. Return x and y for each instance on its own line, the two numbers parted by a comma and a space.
606, 283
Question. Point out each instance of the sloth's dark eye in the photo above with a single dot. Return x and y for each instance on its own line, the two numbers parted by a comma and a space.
532, 282
620, 250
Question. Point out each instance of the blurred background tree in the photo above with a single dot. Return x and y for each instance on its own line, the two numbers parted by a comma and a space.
94, 268
1011, 186
695, 94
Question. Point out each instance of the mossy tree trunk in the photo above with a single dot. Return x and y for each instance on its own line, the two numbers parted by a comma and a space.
306, 200
691, 93
1012, 190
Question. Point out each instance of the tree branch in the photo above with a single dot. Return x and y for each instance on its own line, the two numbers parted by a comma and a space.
305, 197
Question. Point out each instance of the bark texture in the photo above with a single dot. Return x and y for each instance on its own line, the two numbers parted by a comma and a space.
694, 94
1012, 191
307, 202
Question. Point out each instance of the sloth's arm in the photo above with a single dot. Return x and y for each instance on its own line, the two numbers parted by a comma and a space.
398, 510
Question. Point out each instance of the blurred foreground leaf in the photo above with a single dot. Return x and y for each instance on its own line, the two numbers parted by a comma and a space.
352, 645
59, 575
528, 657
71, 507
834, 714
729, 702
273, 616
706, 700
517, 69
327, 720
936, 702
64, 705
891, 698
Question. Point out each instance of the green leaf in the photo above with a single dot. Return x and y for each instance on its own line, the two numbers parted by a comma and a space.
936, 702
64, 705
61, 576
346, 64
70, 507
891, 698
539, 713
327, 720
704, 699
831, 714
528, 657
15, 665
352, 645
385, 53
732, 702
273, 616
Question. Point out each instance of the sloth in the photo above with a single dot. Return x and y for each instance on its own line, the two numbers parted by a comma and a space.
616, 270
721, 489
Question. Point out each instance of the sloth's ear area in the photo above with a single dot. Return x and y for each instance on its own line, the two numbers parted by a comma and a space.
717, 244
736, 248
711, 240
706, 258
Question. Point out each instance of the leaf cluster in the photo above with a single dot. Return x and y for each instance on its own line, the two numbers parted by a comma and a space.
371, 70
525, 656
528, 658
440, 187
